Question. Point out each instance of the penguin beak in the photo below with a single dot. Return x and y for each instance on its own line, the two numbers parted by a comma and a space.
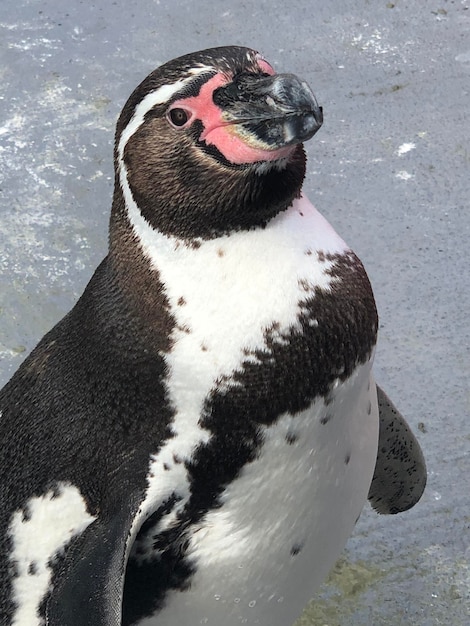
269, 112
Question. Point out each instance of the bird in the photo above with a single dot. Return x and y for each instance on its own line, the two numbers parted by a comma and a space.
194, 441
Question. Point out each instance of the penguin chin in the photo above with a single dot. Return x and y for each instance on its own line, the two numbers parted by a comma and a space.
241, 147
244, 157
263, 167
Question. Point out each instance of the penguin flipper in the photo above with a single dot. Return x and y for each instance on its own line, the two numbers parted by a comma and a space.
89, 582
400, 471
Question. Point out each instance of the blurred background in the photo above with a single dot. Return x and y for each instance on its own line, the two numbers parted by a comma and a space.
390, 169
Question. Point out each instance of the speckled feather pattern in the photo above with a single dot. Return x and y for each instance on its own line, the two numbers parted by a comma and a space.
288, 273
400, 472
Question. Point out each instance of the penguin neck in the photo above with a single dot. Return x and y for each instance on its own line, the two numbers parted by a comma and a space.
219, 202
136, 279
133, 227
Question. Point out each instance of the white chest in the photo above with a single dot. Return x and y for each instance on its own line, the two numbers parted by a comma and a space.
227, 292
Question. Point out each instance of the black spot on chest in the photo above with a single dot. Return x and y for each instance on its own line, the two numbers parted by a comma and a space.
335, 332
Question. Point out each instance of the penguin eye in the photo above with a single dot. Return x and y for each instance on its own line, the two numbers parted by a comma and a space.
178, 117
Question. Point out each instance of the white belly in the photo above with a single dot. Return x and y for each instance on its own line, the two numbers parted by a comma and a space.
261, 556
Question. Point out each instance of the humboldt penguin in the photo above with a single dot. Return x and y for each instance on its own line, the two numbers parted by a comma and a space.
194, 442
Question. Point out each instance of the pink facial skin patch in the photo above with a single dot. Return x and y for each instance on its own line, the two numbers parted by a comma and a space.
264, 65
233, 142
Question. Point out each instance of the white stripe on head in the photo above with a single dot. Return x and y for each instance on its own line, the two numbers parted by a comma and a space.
159, 96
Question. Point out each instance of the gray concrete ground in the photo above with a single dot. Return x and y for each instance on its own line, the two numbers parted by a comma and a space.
390, 169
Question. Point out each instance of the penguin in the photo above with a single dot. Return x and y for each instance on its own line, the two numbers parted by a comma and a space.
194, 441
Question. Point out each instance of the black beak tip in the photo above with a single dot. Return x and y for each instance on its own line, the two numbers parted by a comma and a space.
318, 114
308, 109
309, 123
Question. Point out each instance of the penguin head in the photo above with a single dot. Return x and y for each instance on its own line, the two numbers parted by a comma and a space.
211, 143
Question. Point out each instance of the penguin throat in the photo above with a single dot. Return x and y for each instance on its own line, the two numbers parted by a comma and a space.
213, 206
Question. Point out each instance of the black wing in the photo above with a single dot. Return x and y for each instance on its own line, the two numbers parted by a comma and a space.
88, 585
86, 410
400, 472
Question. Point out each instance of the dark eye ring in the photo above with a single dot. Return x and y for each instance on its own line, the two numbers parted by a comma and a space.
178, 117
